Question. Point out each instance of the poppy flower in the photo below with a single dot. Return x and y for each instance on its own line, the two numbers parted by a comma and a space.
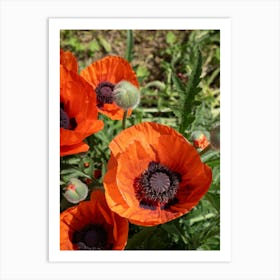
91, 225
154, 175
104, 75
78, 113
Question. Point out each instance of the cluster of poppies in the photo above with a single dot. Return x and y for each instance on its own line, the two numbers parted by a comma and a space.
154, 175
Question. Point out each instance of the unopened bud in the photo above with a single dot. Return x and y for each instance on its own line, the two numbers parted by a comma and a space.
126, 95
75, 191
200, 140
97, 173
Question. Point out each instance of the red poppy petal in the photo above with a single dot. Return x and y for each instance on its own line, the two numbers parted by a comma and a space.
178, 155
113, 111
73, 149
83, 130
112, 69
113, 197
68, 60
147, 132
136, 158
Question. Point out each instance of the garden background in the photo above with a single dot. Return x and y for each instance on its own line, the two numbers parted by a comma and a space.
165, 62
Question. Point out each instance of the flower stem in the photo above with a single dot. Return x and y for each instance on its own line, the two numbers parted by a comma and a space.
124, 119
129, 46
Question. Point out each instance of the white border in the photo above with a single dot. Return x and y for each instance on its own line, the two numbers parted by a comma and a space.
222, 24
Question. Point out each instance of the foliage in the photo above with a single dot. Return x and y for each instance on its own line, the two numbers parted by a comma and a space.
182, 92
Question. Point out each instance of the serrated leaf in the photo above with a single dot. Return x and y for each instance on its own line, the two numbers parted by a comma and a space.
191, 90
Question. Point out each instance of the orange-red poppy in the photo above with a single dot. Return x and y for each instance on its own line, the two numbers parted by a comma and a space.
103, 75
154, 175
91, 225
78, 113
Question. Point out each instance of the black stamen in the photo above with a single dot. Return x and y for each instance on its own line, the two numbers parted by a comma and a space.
157, 186
73, 124
92, 237
104, 93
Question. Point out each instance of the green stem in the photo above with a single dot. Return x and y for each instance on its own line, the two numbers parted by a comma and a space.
208, 148
129, 46
124, 119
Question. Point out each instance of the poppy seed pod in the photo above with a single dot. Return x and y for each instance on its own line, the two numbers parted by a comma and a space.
126, 95
76, 191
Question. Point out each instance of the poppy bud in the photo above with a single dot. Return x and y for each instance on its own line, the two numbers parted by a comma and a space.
88, 181
126, 95
200, 140
76, 191
97, 173
215, 137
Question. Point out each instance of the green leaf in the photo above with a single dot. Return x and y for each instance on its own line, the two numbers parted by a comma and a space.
138, 238
210, 155
74, 173
172, 229
191, 90
214, 199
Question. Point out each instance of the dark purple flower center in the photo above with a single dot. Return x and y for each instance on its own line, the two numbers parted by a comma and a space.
65, 121
104, 93
157, 186
91, 237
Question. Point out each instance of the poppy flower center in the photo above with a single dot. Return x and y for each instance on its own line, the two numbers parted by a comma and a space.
104, 93
157, 186
159, 182
92, 237
64, 119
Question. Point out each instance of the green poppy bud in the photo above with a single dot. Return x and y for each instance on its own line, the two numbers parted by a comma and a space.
215, 137
126, 95
76, 191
